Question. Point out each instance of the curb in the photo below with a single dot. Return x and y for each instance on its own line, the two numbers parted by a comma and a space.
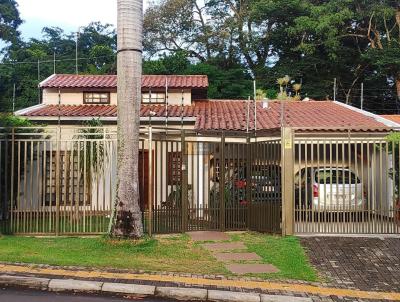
177, 293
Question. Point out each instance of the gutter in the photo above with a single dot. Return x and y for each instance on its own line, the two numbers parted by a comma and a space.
378, 118
104, 118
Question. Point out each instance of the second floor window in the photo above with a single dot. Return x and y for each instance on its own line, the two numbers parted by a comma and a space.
96, 98
156, 98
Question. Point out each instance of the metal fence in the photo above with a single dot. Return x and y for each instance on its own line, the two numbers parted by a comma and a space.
347, 184
61, 180
57, 180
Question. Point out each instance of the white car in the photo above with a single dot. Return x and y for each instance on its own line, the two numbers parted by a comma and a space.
330, 189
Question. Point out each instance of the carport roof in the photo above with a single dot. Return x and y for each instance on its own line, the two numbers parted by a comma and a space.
214, 115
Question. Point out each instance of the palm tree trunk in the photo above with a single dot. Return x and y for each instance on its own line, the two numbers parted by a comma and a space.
130, 22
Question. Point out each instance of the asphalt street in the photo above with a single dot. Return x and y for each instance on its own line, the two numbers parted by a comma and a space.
19, 295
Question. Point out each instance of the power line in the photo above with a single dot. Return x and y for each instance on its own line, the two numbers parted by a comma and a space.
56, 60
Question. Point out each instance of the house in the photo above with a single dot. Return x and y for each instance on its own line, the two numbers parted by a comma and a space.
392, 117
222, 138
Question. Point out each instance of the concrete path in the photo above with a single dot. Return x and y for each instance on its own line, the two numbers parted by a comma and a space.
237, 259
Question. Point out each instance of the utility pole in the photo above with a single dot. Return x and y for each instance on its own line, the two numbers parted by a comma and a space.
13, 100
76, 53
78, 33
334, 89
362, 96
38, 75
54, 62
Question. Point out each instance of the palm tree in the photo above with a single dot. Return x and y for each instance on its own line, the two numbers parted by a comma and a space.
297, 88
128, 221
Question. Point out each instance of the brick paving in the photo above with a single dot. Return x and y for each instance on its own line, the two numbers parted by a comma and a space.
361, 263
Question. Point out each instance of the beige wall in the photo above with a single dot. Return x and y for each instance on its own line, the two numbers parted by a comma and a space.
75, 97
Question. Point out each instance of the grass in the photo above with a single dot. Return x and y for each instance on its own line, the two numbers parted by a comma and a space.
285, 253
175, 253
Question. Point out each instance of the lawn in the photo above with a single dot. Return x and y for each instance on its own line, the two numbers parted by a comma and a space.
285, 253
175, 253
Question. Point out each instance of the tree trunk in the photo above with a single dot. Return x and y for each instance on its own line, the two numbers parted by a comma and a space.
130, 23
398, 86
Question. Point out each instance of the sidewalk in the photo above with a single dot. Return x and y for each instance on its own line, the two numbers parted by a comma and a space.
204, 288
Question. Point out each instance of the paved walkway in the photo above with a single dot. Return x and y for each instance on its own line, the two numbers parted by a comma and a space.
234, 255
360, 263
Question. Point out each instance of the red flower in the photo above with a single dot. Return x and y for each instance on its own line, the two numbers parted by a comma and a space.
240, 184
244, 202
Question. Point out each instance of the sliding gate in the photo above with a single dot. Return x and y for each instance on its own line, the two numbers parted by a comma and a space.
217, 182
347, 184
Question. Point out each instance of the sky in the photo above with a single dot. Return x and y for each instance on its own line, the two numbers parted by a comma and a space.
66, 14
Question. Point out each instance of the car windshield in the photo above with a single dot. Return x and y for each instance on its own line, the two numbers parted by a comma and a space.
336, 177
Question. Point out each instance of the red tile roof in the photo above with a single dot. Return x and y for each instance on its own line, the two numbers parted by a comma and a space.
231, 115
110, 81
393, 117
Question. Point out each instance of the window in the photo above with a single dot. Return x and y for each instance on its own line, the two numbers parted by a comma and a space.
96, 98
156, 98
174, 167
336, 177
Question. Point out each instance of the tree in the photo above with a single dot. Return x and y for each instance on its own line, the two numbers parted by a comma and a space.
176, 26
9, 20
97, 45
351, 40
128, 214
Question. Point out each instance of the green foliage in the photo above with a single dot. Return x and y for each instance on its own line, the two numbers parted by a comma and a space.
225, 83
271, 94
393, 137
90, 141
393, 140
10, 121
9, 20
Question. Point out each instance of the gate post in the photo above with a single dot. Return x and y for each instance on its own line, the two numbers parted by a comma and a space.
58, 181
249, 163
287, 159
12, 181
222, 184
150, 188
184, 183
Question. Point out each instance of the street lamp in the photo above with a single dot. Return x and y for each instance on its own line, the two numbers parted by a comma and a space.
76, 48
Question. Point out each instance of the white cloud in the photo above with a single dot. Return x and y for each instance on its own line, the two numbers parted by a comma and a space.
69, 13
